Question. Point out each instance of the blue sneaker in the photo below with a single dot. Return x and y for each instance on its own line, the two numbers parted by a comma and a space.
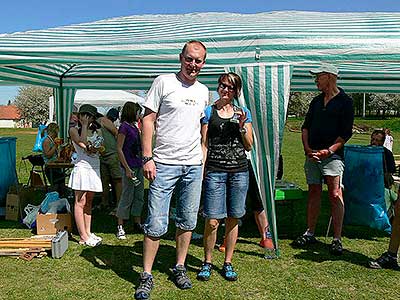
205, 272
229, 273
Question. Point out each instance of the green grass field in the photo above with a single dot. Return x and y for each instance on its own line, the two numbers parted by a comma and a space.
111, 271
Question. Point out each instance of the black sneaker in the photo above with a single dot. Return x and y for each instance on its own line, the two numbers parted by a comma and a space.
145, 286
229, 273
385, 261
336, 247
304, 240
181, 280
137, 228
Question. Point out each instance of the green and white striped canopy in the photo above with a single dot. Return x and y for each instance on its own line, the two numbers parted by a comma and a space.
271, 51
128, 52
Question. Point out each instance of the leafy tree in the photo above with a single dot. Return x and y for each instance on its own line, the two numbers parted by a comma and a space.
396, 104
33, 103
383, 103
299, 102
358, 99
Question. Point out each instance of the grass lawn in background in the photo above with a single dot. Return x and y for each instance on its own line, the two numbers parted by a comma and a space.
112, 270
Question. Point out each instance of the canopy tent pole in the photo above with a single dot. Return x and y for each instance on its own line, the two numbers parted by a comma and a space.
64, 98
51, 108
64, 102
363, 113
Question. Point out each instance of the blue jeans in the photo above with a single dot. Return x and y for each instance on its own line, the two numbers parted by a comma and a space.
187, 180
225, 194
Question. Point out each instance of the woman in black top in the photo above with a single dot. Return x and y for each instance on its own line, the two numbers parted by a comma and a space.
226, 135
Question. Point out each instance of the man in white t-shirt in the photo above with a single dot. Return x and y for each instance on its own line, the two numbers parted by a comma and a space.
174, 106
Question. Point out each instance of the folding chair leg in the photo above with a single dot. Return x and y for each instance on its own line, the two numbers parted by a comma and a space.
44, 179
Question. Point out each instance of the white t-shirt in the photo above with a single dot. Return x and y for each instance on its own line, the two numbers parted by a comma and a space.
179, 108
388, 142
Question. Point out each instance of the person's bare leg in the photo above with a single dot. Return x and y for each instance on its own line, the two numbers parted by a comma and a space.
210, 237
231, 234
182, 245
395, 236
150, 248
80, 202
313, 206
262, 222
87, 212
337, 204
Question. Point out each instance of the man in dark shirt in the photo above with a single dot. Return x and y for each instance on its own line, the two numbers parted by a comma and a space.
327, 127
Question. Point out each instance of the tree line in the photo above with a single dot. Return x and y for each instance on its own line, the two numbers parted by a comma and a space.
376, 104
33, 103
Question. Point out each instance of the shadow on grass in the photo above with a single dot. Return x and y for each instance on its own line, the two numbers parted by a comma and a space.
117, 258
363, 232
320, 253
121, 259
6, 224
257, 252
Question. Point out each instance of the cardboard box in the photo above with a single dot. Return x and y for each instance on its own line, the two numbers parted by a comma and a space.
12, 207
52, 223
29, 195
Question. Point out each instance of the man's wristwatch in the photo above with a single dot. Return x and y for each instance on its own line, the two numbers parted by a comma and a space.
243, 130
146, 159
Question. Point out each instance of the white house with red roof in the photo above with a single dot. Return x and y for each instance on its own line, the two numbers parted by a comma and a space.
10, 117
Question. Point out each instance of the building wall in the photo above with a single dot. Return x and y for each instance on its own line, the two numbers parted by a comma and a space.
8, 124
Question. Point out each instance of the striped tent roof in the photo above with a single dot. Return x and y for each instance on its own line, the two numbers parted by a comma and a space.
128, 52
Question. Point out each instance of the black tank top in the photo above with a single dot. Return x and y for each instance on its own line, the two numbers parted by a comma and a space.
226, 151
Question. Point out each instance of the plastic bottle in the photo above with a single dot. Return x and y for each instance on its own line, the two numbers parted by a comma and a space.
269, 249
236, 115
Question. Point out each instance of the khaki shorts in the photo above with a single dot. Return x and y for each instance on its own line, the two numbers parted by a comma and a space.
316, 171
110, 167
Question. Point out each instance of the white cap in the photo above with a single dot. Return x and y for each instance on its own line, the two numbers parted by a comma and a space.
325, 68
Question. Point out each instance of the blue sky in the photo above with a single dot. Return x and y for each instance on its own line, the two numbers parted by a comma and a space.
22, 15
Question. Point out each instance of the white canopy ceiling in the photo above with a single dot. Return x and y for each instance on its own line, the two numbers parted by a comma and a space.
105, 98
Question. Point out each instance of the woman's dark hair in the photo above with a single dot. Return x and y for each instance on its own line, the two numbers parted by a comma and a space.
379, 131
233, 79
113, 114
130, 112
